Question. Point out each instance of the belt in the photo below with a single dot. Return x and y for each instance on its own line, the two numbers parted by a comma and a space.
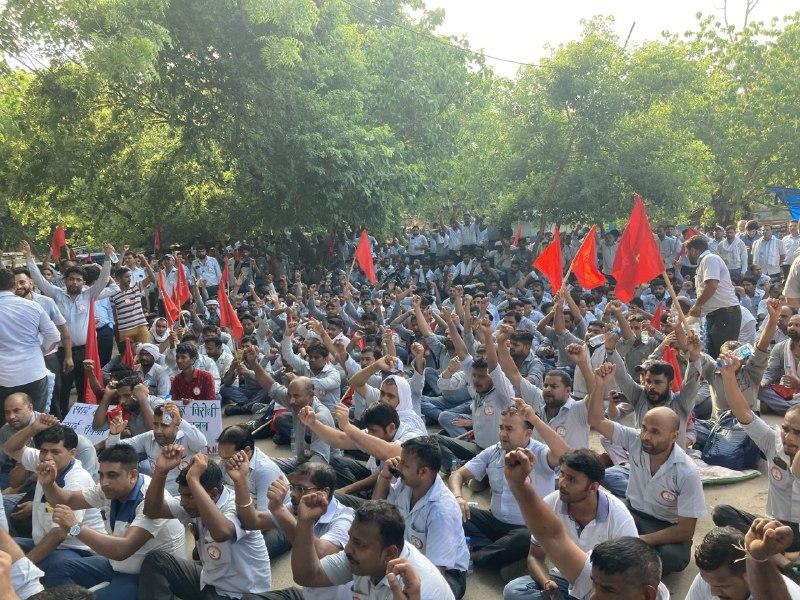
725, 309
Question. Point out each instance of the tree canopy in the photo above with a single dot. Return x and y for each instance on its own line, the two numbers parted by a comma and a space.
241, 116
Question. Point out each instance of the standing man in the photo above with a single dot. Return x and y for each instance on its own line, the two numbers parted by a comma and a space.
128, 313
22, 368
608, 252
716, 297
207, 272
24, 289
768, 253
73, 301
733, 252
791, 244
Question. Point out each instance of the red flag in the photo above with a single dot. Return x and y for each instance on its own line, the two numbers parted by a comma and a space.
549, 262
227, 315
656, 320
93, 353
181, 291
364, 256
517, 237
157, 238
671, 357
127, 356
223, 282
58, 242
690, 232
584, 265
172, 312
72, 255
638, 258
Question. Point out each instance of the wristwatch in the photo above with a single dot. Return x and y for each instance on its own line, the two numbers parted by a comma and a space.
74, 530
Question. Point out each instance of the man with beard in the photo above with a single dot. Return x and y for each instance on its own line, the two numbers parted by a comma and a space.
155, 375
498, 535
733, 252
723, 575
665, 494
23, 287
431, 512
73, 301
589, 514
780, 381
208, 273
168, 428
376, 553
130, 398
330, 530
782, 497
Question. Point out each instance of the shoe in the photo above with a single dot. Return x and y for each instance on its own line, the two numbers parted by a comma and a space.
258, 408
477, 485
235, 409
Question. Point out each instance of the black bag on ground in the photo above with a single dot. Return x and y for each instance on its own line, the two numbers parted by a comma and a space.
728, 445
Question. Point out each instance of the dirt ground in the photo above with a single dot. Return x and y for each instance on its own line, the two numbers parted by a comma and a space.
749, 495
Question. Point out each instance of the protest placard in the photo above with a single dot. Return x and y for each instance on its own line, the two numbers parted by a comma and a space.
80, 418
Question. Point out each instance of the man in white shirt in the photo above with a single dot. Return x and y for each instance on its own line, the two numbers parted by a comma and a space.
733, 251
716, 297
498, 535
625, 568
74, 303
168, 428
590, 516
791, 245
233, 562
127, 536
768, 252
25, 333
608, 251
665, 494
55, 447
24, 289
430, 511
376, 546
208, 273
723, 572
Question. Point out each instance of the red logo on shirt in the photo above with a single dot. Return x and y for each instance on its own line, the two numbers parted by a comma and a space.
776, 472
214, 553
417, 542
561, 430
668, 496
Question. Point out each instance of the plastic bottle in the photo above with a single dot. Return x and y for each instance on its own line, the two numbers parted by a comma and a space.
454, 465
743, 352
471, 567
645, 336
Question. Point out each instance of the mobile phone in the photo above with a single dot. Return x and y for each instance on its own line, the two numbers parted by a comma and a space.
394, 472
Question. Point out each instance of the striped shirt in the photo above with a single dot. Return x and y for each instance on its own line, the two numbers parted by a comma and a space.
128, 306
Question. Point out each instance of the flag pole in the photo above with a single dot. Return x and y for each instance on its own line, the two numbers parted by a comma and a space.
674, 297
352, 265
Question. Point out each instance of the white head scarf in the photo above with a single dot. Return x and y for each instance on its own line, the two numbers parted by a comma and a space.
152, 350
154, 334
405, 408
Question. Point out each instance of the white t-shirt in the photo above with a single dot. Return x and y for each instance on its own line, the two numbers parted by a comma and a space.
710, 266
25, 578
700, 590
168, 534
75, 478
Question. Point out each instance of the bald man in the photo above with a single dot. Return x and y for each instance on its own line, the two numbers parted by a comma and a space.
665, 494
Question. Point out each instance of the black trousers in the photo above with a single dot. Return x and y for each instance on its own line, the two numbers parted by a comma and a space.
75, 377
54, 365
105, 343
722, 325
726, 515
674, 557
451, 448
495, 543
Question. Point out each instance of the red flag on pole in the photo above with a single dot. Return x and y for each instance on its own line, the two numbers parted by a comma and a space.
549, 262
172, 312
517, 237
93, 354
638, 258
181, 291
656, 320
364, 256
127, 356
157, 239
58, 242
584, 265
227, 315
671, 357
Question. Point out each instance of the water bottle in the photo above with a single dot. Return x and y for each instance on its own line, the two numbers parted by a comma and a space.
471, 567
743, 352
645, 336
597, 341
114, 257
454, 465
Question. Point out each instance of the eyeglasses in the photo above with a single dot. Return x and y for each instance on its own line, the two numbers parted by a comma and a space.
302, 490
